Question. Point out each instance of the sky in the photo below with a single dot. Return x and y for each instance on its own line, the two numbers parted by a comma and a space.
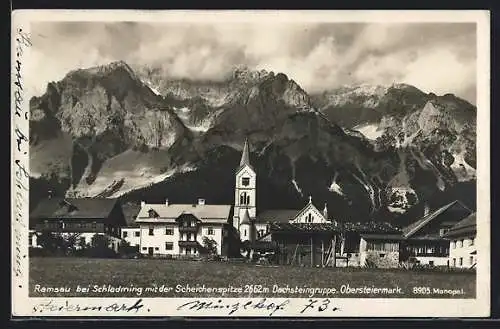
435, 57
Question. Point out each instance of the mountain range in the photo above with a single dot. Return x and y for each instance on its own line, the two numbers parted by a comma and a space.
370, 152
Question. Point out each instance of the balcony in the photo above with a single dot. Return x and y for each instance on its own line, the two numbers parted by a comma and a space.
188, 229
189, 244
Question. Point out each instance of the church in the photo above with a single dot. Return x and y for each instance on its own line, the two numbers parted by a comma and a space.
252, 224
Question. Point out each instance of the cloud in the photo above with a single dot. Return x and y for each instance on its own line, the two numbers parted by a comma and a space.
434, 57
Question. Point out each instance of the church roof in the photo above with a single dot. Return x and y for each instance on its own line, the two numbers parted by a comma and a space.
246, 218
277, 215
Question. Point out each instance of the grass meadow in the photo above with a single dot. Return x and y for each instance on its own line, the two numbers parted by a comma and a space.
71, 272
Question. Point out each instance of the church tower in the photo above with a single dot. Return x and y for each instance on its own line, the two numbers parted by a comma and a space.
245, 190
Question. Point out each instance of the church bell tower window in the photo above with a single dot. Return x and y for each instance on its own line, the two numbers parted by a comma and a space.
245, 181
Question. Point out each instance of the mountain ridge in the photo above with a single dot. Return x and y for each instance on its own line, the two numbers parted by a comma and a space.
145, 135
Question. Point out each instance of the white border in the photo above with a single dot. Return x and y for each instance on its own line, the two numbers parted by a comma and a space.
22, 305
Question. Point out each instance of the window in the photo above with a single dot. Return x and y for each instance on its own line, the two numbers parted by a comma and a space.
454, 262
460, 261
94, 225
137, 234
310, 218
188, 251
144, 248
471, 242
245, 181
244, 198
382, 255
431, 263
210, 231
189, 235
245, 232
443, 231
156, 248
151, 231
169, 245
169, 231
125, 234
471, 260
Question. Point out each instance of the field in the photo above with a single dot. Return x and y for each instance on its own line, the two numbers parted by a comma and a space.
164, 278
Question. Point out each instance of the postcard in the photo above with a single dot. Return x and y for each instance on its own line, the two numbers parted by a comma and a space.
250, 163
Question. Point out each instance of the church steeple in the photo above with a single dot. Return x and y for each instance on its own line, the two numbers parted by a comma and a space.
245, 155
246, 218
245, 194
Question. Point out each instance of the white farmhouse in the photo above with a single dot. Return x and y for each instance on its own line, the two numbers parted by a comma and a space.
462, 236
180, 229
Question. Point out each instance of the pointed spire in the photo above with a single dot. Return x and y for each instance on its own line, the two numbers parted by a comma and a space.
325, 212
246, 217
310, 199
245, 155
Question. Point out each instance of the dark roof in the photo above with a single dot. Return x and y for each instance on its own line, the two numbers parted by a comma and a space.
277, 215
369, 227
73, 208
414, 227
464, 227
130, 211
382, 236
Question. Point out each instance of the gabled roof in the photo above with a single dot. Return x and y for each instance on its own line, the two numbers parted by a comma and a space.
308, 206
411, 229
168, 213
73, 208
464, 227
277, 215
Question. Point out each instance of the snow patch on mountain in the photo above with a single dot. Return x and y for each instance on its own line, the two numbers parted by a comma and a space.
184, 114
294, 182
336, 188
462, 169
370, 131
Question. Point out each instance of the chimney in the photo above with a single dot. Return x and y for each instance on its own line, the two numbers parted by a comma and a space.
426, 209
143, 204
201, 201
166, 202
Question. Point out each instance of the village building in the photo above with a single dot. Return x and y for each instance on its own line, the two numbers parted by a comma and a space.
425, 239
181, 229
306, 236
462, 236
131, 233
81, 218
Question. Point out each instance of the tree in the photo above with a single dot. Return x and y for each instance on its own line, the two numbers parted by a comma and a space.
210, 245
100, 246
48, 241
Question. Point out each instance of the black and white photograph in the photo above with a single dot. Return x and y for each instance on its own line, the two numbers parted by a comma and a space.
250, 163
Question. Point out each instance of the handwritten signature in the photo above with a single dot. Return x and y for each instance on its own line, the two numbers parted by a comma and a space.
270, 307
66, 306
22, 41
